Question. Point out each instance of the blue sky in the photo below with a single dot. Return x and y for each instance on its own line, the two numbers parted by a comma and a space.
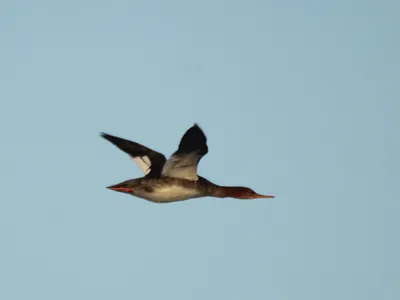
299, 99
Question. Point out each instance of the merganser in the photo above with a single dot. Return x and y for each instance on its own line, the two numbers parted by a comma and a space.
175, 179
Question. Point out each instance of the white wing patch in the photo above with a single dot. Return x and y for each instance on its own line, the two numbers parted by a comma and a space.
182, 166
143, 162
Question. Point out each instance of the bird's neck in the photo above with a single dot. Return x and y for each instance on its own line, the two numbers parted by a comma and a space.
228, 191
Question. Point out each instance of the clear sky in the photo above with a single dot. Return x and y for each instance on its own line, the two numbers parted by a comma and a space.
299, 99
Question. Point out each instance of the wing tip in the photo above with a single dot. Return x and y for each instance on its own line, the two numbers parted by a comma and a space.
197, 127
108, 137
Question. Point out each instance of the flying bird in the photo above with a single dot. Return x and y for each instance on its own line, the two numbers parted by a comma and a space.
176, 178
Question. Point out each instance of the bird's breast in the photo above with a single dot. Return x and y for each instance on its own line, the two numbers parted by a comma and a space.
167, 193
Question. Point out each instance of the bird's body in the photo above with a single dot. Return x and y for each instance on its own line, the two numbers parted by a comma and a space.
175, 179
169, 189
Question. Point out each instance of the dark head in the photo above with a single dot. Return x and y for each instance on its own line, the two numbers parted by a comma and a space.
242, 193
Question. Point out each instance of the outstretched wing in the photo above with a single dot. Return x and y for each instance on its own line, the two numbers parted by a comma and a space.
183, 163
149, 161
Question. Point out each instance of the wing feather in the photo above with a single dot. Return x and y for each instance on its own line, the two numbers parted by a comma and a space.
184, 162
149, 161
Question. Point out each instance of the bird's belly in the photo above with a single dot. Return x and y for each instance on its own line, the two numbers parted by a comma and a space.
168, 194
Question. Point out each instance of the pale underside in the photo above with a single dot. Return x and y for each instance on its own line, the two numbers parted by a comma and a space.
168, 193
178, 166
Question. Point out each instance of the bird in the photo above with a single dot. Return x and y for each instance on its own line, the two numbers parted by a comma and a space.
176, 178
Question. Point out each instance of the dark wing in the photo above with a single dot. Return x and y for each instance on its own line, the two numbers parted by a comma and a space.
183, 163
148, 160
